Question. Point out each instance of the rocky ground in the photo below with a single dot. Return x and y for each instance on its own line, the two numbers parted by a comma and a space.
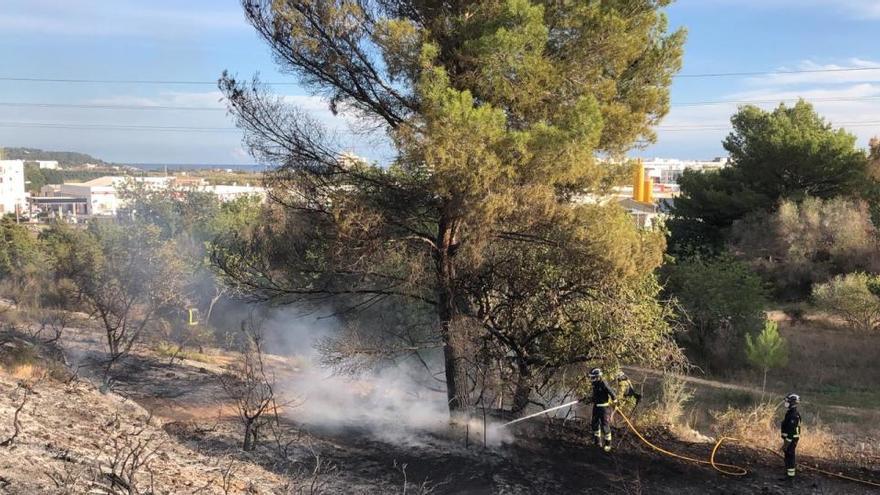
167, 429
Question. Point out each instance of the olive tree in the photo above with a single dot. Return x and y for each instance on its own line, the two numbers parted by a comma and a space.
126, 277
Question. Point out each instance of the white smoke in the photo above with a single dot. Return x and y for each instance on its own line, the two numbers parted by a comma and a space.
392, 404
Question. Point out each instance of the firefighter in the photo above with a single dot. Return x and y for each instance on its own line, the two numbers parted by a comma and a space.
791, 432
626, 390
603, 399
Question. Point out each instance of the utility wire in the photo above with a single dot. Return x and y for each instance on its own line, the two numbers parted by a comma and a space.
777, 72
135, 127
87, 125
100, 106
282, 83
109, 106
777, 100
128, 81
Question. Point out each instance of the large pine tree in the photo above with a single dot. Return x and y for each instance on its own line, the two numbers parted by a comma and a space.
497, 111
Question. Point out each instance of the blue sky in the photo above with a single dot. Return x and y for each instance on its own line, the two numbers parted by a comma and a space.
197, 39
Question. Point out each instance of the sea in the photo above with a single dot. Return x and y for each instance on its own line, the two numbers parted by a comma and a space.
183, 167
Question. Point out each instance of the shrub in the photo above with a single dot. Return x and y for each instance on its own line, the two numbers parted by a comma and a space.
721, 301
674, 394
758, 426
851, 298
767, 350
801, 244
796, 314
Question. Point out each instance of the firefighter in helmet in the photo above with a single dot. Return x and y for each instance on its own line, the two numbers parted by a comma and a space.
626, 391
791, 433
603, 399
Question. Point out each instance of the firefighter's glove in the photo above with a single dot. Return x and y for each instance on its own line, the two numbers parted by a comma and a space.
785, 444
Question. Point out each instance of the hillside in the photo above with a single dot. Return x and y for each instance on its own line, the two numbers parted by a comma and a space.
171, 422
69, 158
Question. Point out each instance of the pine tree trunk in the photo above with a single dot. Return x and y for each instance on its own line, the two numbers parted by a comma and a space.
764, 383
454, 344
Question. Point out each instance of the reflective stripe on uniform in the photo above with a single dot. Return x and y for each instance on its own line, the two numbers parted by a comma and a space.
603, 405
790, 472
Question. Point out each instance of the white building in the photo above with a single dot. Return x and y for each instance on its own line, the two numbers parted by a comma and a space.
101, 194
12, 192
665, 172
48, 164
230, 193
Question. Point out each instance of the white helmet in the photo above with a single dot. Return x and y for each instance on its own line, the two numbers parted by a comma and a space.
595, 374
792, 399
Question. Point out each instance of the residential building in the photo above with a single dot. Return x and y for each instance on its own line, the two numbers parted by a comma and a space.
230, 193
12, 192
665, 172
102, 194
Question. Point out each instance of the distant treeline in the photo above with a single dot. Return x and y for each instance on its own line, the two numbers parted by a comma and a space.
63, 157
37, 177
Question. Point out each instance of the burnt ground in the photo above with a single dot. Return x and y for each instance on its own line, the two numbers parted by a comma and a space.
551, 458
199, 438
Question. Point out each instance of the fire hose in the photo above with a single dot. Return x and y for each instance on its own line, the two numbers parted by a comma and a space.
728, 469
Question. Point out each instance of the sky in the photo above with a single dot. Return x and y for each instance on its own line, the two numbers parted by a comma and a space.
196, 40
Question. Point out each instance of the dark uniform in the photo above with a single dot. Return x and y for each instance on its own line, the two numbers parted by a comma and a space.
627, 390
791, 432
603, 396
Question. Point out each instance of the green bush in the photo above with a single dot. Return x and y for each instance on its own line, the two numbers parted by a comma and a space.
853, 298
767, 350
801, 244
720, 300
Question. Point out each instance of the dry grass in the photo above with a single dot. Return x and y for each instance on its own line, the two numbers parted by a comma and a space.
668, 410
670, 406
27, 372
759, 426
168, 350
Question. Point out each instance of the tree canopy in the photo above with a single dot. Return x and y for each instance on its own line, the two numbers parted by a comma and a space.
788, 153
497, 111
804, 243
721, 300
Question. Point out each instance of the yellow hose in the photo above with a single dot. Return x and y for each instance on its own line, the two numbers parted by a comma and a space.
731, 469
728, 469
801, 465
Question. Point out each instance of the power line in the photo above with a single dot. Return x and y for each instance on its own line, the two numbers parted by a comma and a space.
286, 83
109, 106
772, 101
141, 128
86, 106
135, 127
699, 128
127, 81
776, 72
146, 127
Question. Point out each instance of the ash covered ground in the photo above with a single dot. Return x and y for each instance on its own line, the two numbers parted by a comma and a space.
331, 438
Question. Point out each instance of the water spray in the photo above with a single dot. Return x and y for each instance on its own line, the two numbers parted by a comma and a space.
545, 411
